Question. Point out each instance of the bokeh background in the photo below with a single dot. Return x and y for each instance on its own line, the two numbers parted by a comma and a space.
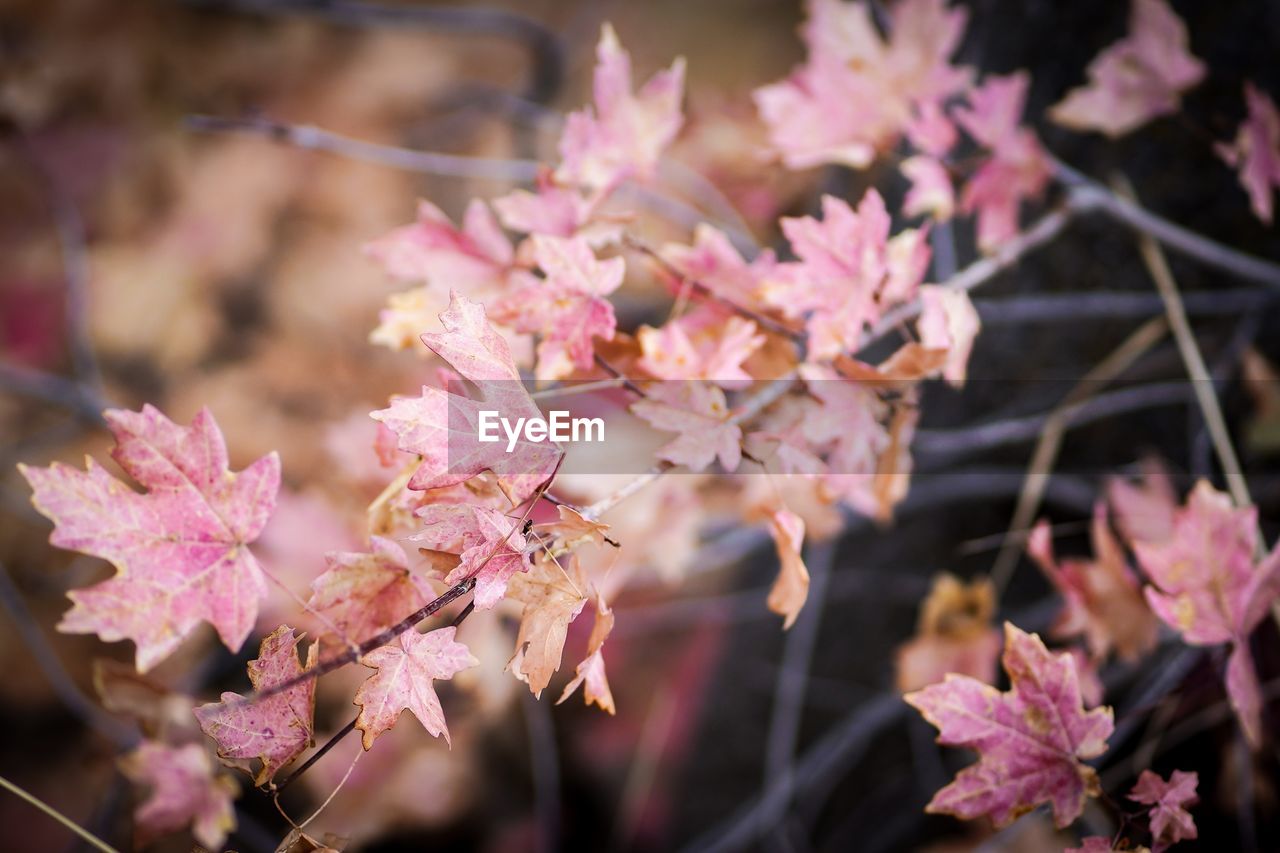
183, 266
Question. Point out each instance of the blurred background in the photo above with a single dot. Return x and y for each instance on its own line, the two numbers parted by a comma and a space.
148, 255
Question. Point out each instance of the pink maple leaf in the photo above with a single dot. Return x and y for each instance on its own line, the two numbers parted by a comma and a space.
858, 92
1138, 78
474, 257
703, 344
443, 428
1256, 151
406, 669
186, 790
1208, 588
699, 413
568, 307
931, 192
274, 730
180, 550
1031, 739
362, 594
1102, 599
1144, 511
848, 271
1092, 844
714, 262
626, 133
1170, 820
487, 543
1018, 167
948, 321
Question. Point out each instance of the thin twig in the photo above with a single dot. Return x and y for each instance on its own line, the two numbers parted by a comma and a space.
951, 443
47, 659
317, 139
377, 641
1113, 305
1042, 232
703, 290
793, 677
545, 766
1197, 370
77, 398
318, 754
1094, 196
85, 834
1046, 451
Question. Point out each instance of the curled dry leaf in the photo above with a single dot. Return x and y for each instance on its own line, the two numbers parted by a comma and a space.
180, 549
590, 674
1032, 740
954, 634
791, 588
553, 594
274, 730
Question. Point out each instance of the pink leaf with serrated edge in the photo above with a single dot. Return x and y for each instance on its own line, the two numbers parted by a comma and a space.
568, 307
443, 428
1208, 588
1256, 151
1018, 168
180, 550
849, 270
1170, 820
699, 413
1092, 844
590, 674
489, 546
1102, 599
626, 133
406, 669
702, 344
931, 192
1144, 511
858, 92
1138, 78
362, 594
715, 263
948, 321
1031, 740
274, 730
186, 790
434, 250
